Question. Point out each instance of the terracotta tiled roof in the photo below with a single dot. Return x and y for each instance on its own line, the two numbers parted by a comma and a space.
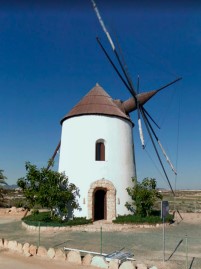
97, 102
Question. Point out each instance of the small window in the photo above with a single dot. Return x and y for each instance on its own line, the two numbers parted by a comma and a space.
100, 151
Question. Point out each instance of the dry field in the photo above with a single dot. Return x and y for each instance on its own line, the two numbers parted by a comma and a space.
184, 201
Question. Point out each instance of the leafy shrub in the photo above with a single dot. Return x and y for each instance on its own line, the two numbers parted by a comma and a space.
40, 217
137, 219
44, 218
143, 196
35, 212
49, 189
79, 221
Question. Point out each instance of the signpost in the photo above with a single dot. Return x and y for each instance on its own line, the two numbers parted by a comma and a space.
164, 213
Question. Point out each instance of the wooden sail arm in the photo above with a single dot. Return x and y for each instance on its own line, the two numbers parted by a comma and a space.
50, 163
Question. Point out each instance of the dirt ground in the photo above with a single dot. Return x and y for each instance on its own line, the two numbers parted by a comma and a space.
11, 260
182, 243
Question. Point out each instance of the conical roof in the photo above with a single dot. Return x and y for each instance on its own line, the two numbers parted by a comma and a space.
97, 102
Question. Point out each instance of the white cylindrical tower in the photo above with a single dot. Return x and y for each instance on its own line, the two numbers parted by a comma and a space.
97, 154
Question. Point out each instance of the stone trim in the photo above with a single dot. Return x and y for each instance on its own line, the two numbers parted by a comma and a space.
110, 198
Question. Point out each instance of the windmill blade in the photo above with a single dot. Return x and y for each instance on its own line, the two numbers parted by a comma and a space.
147, 113
152, 93
50, 163
168, 160
130, 87
102, 24
134, 94
114, 66
124, 67
129, 84
138, 84
132, 91
154, 145
140, 131
163, 150
139, 118
167, 85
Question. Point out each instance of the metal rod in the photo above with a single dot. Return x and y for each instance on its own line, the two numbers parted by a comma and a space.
101, 239
147, 113
167, 85
86, 251
112, 63
38, 234
92, 252
153, 143
113, 48
160, 145
126, 75
186, 251
163, 239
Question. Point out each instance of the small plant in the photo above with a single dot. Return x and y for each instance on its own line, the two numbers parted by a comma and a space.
35, 212
45, 219
136, 219
143, 195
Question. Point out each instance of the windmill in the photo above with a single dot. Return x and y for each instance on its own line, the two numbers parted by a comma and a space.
137, 101
93, 135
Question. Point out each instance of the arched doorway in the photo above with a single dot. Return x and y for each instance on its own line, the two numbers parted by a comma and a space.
108, 195
99, 204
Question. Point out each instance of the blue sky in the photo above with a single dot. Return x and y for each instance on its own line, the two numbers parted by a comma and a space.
49, 59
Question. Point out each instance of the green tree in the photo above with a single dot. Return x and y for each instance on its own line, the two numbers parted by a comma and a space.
50, 189
2, 178
2, 182
143, 196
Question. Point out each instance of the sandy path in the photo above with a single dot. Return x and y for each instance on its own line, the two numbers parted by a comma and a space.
11, 260
147, 241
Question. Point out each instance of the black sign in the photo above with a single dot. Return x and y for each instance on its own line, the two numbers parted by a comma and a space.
164, 208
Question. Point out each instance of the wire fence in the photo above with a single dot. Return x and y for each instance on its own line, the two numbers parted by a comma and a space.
179, 244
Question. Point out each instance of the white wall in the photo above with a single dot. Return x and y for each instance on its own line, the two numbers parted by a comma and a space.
77, 155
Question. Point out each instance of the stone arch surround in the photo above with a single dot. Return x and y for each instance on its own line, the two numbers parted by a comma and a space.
110, 196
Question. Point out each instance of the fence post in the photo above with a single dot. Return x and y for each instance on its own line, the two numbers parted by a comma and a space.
163, 239
38, 234
101, 239
186, 239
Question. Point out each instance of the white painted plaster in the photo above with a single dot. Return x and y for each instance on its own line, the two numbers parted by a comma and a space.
77, 155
